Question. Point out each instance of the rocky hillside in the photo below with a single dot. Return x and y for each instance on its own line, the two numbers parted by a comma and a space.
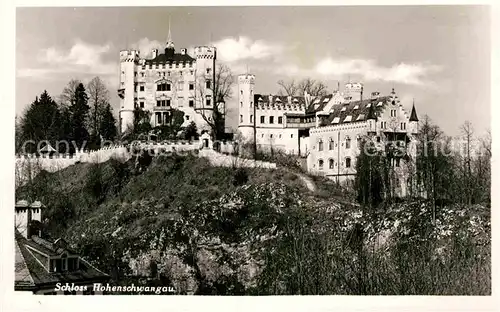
207, 230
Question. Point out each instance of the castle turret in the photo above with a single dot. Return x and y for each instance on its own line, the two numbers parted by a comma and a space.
246, 121
353, 91
413, 120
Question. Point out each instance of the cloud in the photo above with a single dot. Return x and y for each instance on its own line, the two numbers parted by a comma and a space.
82, 58
243, 48
413, 74
145, 45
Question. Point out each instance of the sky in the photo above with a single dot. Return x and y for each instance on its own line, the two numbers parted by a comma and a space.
436, 56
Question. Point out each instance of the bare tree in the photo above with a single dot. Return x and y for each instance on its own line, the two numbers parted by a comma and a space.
467, 135
98, 98
68, 93
288, 88
219, 87
297, 88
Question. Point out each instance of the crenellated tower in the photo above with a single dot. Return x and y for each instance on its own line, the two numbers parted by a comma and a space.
246, 118
126, 90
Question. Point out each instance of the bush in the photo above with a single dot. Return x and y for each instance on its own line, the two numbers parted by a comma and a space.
240, 177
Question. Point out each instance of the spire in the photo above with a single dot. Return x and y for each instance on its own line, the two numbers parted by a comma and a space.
170, 43
413, 115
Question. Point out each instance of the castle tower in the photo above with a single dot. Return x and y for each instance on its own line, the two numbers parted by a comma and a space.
353, 90
205, 77
126, 89
246, 118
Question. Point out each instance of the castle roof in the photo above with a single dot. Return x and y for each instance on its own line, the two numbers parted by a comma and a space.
357, 110
30, 274
174, 57
318, 103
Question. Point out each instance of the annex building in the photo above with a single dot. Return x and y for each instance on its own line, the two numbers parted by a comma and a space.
326, 130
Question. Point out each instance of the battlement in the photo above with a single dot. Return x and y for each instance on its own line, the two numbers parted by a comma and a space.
246, 79
129, 55
205, 52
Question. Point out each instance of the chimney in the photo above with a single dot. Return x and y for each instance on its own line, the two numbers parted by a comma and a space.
289, 98
270, 98
154, 53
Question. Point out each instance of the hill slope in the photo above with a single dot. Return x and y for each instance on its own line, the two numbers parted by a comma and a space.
207, 230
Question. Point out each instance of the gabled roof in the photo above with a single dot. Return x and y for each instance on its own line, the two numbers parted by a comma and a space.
31, 274
319, 103
357, 115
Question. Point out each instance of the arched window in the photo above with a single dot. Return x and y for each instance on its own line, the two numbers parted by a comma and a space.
330, 145
348, 162
330, 163
320, 164
348, 142
320, 145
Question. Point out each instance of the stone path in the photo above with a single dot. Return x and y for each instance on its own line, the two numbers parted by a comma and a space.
307, 181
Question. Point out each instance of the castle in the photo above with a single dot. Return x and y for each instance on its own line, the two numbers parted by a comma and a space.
168, 81
325, 130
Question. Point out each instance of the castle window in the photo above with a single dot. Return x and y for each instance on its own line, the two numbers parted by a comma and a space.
320, 164
382, 125
168, 73
168, 87
398, 162
262, 135
187, 117
330, 163
169, 65
142, 75
181, 85
271, 119
262, 119
183, 65
208, 102
291, 135
208, 83
348, 162
191, 103
158, 103
271, 136
378, 139
241, 104
251, 104
330, 145
168, 102
348, 142
251, 118
191, 86
320, 145
241, 118
280, 136
208, 70
241, 91
191, 72
280, 120
141, 104
180, 72
141, 88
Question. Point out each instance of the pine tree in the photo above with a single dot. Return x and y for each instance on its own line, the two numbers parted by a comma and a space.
79, 110
40, 122
191, 132
107, 126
